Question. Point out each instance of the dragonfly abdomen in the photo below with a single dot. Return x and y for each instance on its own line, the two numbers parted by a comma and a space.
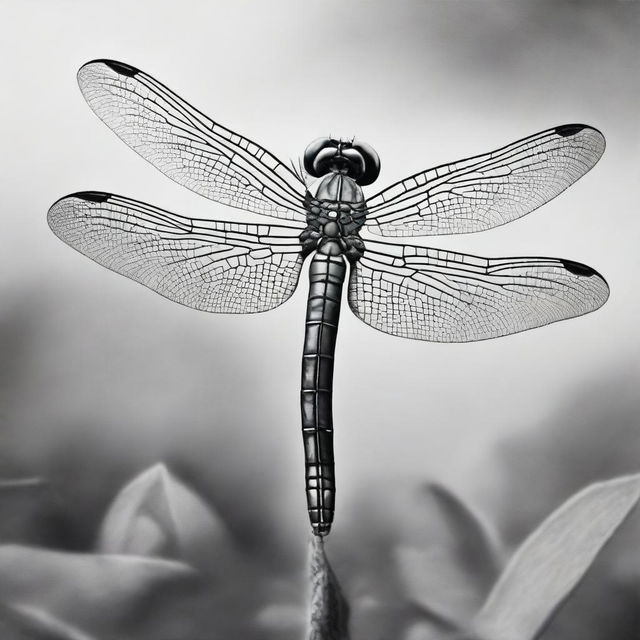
326, 275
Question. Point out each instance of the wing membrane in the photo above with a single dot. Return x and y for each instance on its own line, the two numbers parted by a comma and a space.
188, 146
207, 265
427, 294
488, 190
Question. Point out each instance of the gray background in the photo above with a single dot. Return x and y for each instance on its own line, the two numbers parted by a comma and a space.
101, 377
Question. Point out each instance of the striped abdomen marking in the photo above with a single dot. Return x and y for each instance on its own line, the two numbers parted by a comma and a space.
326, 276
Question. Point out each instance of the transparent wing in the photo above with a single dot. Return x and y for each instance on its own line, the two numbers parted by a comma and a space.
212, 266
427, 294
188, 146
488, 190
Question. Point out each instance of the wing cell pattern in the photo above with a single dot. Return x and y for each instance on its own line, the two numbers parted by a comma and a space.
212, 266
441, 296
188, 146
488, 190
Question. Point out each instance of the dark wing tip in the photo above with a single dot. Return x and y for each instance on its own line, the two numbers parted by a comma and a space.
91, 196
583, 271
595, 137
568, 130
579, 269
88, 196
119, 67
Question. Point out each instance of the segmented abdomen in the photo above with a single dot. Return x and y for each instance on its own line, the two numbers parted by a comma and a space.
327, 274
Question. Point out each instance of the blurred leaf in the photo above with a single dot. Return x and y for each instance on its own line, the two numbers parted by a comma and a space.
451, 578
553, 560
281, 609
18, 484
434, 581
29, 511
476, 547
374, 618
94, 592
329, 609
281, 619
20, 622
424, 631
157, 515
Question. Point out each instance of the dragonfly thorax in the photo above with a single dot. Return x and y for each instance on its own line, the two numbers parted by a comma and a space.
336, 210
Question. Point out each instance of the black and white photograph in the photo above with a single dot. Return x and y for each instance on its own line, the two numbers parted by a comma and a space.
319, 320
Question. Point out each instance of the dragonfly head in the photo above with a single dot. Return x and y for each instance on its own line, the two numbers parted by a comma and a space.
352, 157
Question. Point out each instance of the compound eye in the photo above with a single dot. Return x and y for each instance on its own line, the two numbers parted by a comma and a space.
311, 154
371, 163
355, 162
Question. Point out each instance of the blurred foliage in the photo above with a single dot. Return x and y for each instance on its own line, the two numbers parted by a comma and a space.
165, 567
593, 435
23, 622
166, 564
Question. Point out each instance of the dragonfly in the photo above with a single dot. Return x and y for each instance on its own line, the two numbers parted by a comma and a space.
404, 290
